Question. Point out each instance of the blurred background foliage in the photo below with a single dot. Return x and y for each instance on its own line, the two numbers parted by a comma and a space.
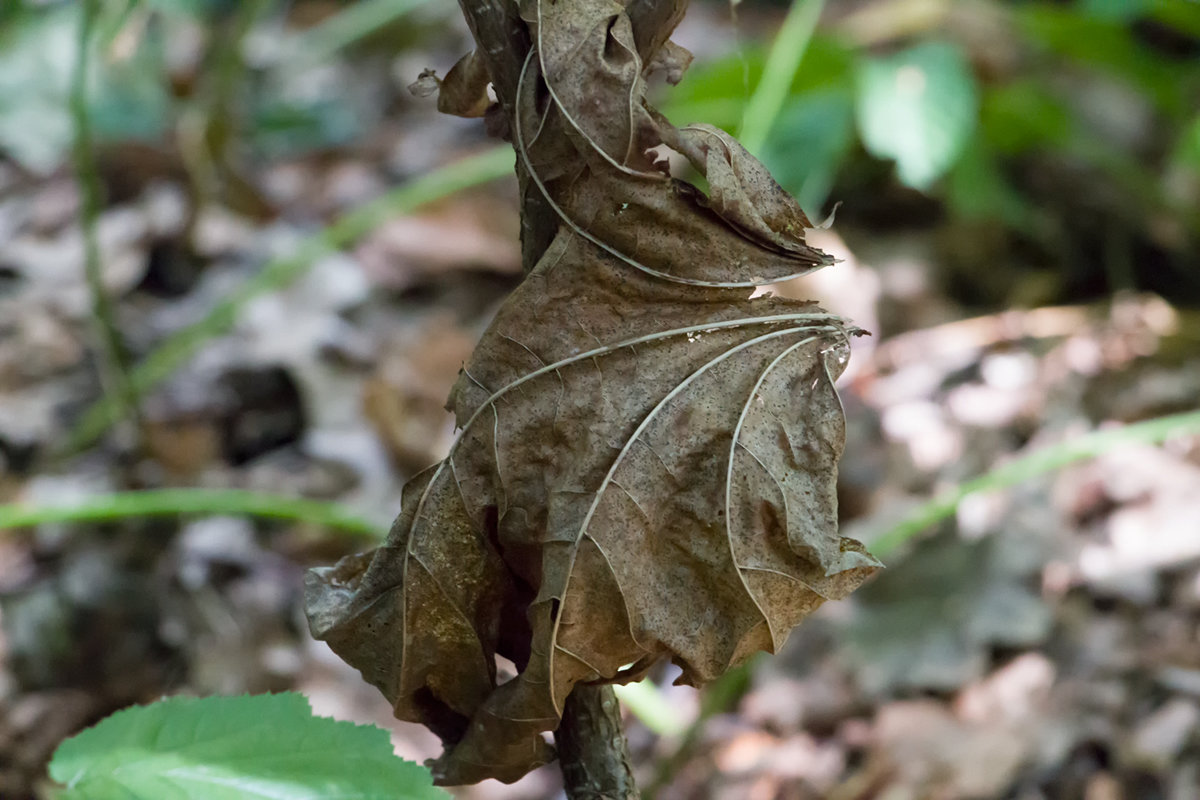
1066, 134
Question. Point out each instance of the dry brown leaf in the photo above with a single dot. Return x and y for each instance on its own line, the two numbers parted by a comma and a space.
426, 84
647, 461
464, 90
672, 60
629, 484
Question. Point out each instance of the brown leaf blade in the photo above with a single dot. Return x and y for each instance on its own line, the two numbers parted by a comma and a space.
633, 482
464, 90
648, 454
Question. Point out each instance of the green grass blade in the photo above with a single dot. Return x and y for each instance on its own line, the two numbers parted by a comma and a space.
787, 51
114, 369
648, 703
280, 272
353, 23
173, 502
1039, 462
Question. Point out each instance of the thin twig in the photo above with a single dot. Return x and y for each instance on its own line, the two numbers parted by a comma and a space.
719, 697
114, 370
592, 750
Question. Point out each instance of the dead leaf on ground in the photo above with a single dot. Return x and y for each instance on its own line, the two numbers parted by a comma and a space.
647, 459
466, 233
405, 399
926, 752
930, 625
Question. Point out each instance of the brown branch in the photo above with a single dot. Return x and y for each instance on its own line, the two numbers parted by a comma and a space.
592, 750
502, 41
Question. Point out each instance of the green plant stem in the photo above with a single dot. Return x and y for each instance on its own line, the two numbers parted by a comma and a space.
209, 124
719, 697
114, 370
348, 26
280, 272
648, 703
173, 502
1039, 462
787, 51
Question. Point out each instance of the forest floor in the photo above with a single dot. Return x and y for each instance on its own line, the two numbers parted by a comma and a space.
1043, 643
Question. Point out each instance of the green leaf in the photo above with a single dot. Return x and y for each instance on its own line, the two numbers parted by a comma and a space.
1182, 15
783, 62
1188, 150
828, 64
1122, 10
1108, 46
234, 748
917, 107
809, 144
717, 93
977, 190
127, 97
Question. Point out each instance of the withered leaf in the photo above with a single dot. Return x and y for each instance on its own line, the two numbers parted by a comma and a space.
647, 460
672, 60
464, 89
426, 84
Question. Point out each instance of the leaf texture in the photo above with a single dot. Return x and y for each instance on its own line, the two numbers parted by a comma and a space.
233, 748
647, 461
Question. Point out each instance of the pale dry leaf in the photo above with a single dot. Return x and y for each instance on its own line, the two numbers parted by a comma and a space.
672, 60
427, 84
743, 192
660, 225
647, 461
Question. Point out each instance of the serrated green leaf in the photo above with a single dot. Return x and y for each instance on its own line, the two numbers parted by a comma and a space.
234, 748
977, 190
917, 107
